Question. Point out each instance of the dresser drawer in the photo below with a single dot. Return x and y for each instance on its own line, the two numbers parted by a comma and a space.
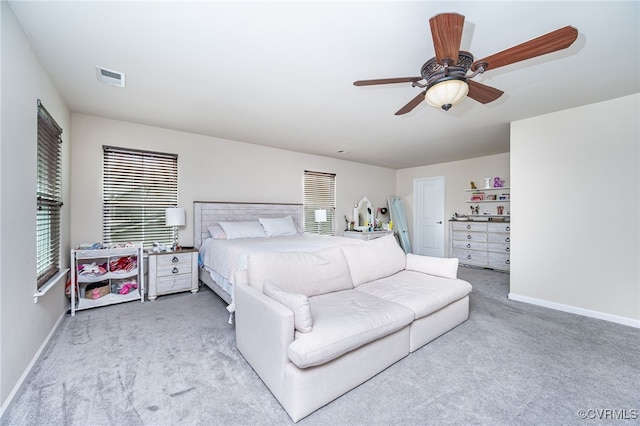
499, 247
499, 227
500, 238
470, 245
469, 226
470, 236
471, 257
173, 283
499, 261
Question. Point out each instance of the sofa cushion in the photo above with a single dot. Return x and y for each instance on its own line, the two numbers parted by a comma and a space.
422, 293
298, 303
344, 321
439, 266
310, 274
376, 259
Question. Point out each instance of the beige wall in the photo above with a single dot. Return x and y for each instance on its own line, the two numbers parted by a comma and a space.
211, 169
576, 211
457, 177
24, 325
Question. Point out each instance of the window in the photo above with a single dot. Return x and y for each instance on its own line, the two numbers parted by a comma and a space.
319, 194
137, 188
48, 197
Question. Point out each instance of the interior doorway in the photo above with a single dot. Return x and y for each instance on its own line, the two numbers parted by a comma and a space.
428, 216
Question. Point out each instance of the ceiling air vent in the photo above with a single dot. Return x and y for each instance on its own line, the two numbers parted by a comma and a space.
114, 78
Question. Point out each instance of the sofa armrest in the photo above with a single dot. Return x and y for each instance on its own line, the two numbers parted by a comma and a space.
264, 331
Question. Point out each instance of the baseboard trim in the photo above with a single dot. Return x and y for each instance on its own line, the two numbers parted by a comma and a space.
27, 372
575, 310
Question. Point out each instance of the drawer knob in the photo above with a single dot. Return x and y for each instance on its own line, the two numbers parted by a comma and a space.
506, 240
508, 249
468, 226
174, 270
507, 261
468, 256
468, 245
508, 228
175, 259
468, 237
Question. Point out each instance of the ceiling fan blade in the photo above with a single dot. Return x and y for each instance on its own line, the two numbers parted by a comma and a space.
446, 32
547, 43
483, 93
412, 104
386, 81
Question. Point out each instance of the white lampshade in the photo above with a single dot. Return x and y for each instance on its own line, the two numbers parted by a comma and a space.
320, 215
447, 93
175, 216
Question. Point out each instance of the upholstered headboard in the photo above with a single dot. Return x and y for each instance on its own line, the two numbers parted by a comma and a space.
208, 213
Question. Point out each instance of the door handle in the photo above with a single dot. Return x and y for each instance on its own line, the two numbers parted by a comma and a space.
439, 222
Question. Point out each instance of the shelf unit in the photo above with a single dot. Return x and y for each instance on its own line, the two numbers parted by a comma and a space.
504, 188
110, 275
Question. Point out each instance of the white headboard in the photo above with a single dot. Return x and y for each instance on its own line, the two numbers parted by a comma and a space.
207, 213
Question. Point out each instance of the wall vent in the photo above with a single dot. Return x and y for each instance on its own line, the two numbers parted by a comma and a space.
114, 78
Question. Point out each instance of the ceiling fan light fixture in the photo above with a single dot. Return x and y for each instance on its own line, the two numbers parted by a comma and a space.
447, 92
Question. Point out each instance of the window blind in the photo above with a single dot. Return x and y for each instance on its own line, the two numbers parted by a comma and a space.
138, 186
319, 193
48, 197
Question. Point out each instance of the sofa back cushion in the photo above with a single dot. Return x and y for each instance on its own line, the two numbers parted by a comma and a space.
311, 274
376, 259
438, 266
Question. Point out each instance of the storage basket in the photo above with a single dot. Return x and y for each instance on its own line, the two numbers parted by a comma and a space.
97, 290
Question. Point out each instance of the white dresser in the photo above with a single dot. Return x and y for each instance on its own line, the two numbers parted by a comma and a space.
367, 235
485, 244
172, 272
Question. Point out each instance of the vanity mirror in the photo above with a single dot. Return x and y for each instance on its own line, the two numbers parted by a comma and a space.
362, 214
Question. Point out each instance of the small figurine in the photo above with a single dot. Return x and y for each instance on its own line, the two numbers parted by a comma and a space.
473, 185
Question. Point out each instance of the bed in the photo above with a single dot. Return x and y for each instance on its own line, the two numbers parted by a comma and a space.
220, 257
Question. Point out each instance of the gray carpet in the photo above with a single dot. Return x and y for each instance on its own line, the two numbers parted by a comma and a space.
174, 361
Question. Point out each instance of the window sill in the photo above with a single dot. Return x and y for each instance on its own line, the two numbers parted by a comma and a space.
50, 284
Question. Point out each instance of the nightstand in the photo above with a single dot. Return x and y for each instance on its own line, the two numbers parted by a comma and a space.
173, 272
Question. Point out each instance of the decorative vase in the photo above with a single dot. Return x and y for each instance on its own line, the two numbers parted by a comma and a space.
487, 182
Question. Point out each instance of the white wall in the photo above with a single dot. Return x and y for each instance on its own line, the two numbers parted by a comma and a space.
24, 325
211, 169
457, 177
576, 211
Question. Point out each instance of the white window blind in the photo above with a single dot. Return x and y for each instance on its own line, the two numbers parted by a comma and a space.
48, 197
138, 186
319, 194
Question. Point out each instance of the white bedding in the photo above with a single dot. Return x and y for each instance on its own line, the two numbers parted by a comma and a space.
222, 258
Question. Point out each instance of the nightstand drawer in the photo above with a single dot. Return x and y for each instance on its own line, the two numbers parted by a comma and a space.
173, 283
173, 269
173, 259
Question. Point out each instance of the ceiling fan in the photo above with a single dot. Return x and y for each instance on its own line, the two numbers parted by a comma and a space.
446, 76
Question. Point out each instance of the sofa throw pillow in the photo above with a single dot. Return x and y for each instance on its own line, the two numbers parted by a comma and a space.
278, 226
298, 303
216, 232
243, 229
314, 273
438, 266
376, 259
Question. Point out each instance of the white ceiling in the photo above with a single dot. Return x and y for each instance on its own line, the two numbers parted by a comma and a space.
280, 73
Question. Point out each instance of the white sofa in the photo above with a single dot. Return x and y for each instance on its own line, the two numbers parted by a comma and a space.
315, 325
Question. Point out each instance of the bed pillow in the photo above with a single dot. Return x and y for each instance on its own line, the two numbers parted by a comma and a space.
375, 259
243, 229
438, 266
298, 303
216, 232
278, 226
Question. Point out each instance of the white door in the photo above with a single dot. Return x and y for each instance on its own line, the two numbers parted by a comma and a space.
428, 222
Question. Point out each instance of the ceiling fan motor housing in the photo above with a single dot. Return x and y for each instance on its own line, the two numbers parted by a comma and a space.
435, 73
